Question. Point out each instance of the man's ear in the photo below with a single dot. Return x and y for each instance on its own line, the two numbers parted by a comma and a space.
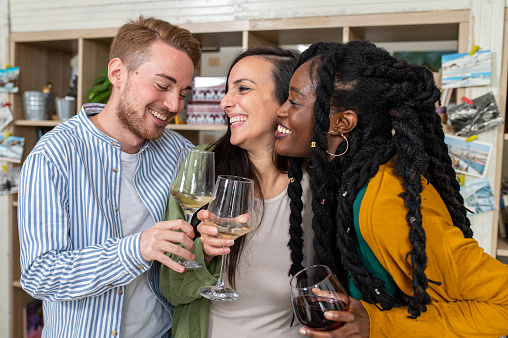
116, 72
343, 122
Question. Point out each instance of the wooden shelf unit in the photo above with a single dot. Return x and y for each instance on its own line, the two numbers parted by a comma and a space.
45, 56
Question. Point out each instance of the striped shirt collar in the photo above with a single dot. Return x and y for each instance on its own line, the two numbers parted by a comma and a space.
91, 109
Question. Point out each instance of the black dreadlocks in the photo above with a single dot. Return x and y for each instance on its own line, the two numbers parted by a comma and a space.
395, 105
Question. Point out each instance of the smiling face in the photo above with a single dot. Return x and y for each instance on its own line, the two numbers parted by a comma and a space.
154, 93
251, 104
296, 117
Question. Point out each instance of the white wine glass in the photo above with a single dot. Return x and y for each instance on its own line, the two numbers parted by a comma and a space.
231, 212
315, 290
192, 186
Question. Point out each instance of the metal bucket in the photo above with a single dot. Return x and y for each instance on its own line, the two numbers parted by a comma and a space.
37, 105
65, 108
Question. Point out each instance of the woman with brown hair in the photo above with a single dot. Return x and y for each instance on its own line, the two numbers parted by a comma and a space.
259, 262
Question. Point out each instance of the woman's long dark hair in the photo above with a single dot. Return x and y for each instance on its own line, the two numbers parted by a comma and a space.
233, 160
395, 105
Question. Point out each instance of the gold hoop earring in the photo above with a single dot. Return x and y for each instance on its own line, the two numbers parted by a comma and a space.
347, 147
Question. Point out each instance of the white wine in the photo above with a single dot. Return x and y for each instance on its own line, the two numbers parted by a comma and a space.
190, 203
231, 230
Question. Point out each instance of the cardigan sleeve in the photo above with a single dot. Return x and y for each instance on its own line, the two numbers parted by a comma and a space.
183, 288
191, 311
472, 300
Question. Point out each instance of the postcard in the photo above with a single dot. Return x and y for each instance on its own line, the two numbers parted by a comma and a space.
464, 70
8, 80
482, 115
9, 181
5, 117
478, 196
469, 158
11, 149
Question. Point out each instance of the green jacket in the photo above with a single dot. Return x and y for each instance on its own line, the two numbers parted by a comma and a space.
191, 312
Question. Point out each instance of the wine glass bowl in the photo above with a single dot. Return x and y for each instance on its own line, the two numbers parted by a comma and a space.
230, 211
192, 186
315, 290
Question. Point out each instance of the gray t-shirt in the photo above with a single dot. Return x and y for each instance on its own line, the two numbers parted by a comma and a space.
143, 314
264, 308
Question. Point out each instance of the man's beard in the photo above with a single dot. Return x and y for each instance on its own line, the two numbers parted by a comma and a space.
135, 122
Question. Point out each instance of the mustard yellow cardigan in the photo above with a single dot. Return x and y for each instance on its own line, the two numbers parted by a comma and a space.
472, 300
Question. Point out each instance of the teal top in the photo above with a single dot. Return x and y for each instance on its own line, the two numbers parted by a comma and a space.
367, 256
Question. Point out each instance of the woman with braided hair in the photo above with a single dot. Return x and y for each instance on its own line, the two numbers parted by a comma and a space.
388, 214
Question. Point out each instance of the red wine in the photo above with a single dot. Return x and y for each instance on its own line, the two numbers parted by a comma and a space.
310, 311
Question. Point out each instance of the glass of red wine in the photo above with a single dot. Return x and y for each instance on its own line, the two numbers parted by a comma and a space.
315, 290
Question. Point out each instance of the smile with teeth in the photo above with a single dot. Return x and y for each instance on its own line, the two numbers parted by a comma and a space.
283, 130
158, 115
237, 119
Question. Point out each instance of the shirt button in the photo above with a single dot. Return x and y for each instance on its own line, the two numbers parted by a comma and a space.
115, 170
114, 333
120, 292
110, 285
113, 143
140, 267
116, 208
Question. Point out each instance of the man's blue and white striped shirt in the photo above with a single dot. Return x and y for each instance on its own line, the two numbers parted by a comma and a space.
73, 254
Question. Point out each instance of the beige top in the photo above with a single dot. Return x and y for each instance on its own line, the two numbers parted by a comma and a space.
264, 308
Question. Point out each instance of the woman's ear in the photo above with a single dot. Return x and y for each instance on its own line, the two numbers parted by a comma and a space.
116, 71
343, 122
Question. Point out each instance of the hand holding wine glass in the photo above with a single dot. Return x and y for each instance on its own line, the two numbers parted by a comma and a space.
230, 211
212, 245
314, 291
193, 185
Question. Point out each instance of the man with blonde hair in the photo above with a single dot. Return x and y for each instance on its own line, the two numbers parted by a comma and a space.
93, 194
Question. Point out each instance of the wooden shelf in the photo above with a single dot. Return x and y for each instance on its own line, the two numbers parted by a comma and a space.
502, 247
51, 123
16, 284
33, 123
15, 204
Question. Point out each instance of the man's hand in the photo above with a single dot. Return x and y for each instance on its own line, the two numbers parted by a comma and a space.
162, 238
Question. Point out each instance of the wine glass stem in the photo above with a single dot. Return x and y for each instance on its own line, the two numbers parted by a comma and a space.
220, 281
188, 218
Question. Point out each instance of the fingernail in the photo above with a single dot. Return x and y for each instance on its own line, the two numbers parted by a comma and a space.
303, 331
231, 242
226, 250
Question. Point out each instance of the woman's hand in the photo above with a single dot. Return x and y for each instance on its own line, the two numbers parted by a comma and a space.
212, 245
356, 322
